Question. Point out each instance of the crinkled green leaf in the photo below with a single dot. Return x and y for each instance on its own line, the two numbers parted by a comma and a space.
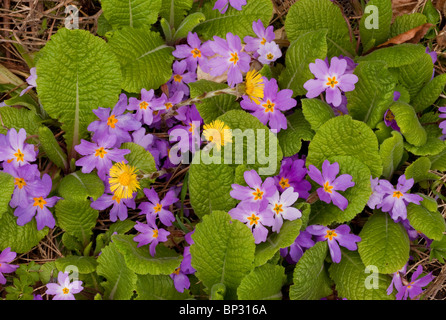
384, 243
77, 73
188, 24
357, 196
396, 56
304, 50
391, 152
80, 186
438, 161
120, 281
223, 251
7, 189
211, 108
237, 22
263, 283
131, 13
51, 147
316, 112
159, 287
343, 136
438, 250
383, 132
83, 264
288, 233
370, 36
77, 218
20, 239
146, 61
355, 282
309, 15
410, 126
430, 223
174, 11
139, 157
139, 259
310, 277
429, 93
405, 22
20, 118
419, 170
433, 145
298, 129
373, 92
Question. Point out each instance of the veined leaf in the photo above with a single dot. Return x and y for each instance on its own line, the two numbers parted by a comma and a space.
88, 76
316, 112
174, 11
430, 223
159, 287
263, 283
391, 152
80, 186
51, 148
132, 13
410, 126
7, 189
298, 129
370, 36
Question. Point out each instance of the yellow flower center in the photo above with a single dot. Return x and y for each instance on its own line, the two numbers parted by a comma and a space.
157, 208
332, 81
269, 106
177, 78
270, 56
331, 234
155, 233
18, 155
100, 152
20, 182
115, 198
111, 121
397, 194
39, 202
65, 290
390, 116
253, 219
263, 41
143, 105
234, 58
258, 194
196, 53
254, 86
278, 208
327, 187
284, 183
177, 271
168, 105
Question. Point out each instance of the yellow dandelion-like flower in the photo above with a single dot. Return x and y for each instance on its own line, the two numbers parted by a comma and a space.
218, 133
254, 86
123, 180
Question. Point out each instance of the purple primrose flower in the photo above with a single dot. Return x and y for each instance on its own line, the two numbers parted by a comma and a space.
6, 256
256, 191
14, 150
222, 5
280, 205
292, 174
264, 36
149, 233
156, 207
64, 289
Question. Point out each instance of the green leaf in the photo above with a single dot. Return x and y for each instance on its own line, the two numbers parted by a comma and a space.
438, 249
209, 187
433, 145
343, 136
223, 251
218, 292
316, 112
159, 287
304, 50
407, 120
7, 189
51, 147
406, 22
188, 24
20, 118
88, 76
298, 129
352, 279
310, 278
77, 218
384, 243
84, 265
146, 61
263, 283
211, 108
430, 223
429, 93
391, 152
20, 239
139, 259
371, 37
419, 170
357, 196
139, 157
81, 186
131, 13
237, 22
174, 11
396, 56
383, 132
373, 92
438, 161
288, 233
120, 280
309, 15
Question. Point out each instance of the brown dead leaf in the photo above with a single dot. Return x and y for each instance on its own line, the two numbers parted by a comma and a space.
400, 7
411, 36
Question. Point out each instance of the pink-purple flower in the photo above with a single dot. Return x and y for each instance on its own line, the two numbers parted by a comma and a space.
406, 289
292, 174
14, 150
230, 58
150, 234
339, 236
193, 53
145, 106
159, 208
65, 289
179, 276
6, 257
256, 191
269, 52
331, 79
296, 250
442, 115
264, 36
330, 183
274, 102
281, 207
180, 78
223, 5
26, 179
31, 80
254, 215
